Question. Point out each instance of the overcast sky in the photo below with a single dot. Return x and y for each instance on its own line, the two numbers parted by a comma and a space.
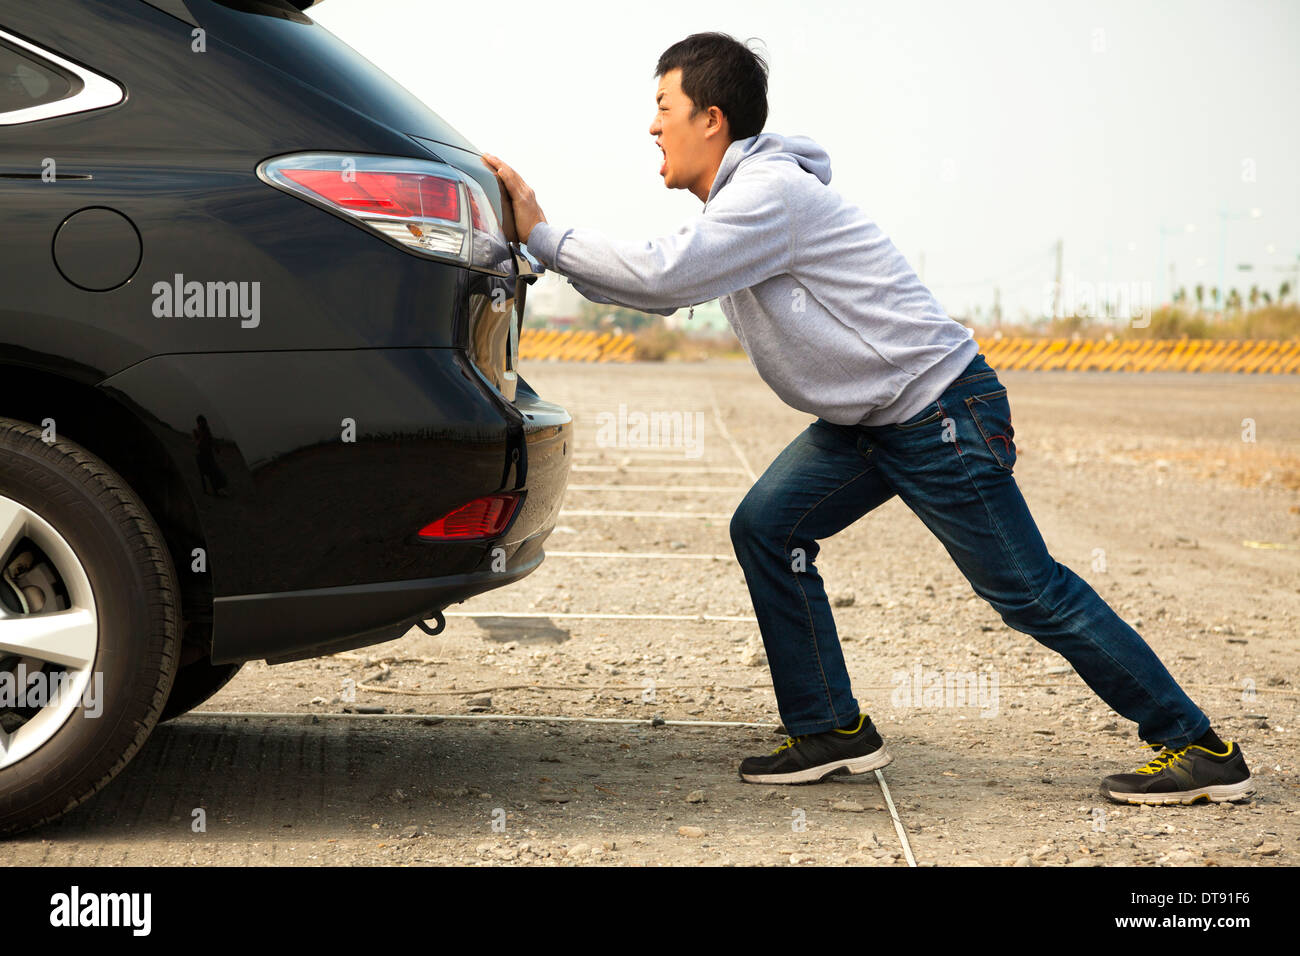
975, 134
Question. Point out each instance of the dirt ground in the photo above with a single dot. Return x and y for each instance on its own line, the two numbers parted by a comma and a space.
1142, 484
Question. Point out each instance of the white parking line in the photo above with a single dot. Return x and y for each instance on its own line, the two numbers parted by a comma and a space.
722, 429
634, 454
898, 824
598, 513
683, 488
582, 616
657, 470
639, 554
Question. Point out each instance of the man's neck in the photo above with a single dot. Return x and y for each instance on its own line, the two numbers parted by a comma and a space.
704, 185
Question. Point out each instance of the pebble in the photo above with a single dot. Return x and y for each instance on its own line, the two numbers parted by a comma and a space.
689, 831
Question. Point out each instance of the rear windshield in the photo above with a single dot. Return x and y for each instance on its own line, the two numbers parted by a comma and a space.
279, 35
26, 81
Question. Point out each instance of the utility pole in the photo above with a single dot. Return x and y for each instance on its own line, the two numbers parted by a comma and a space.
997, 309
1056, 296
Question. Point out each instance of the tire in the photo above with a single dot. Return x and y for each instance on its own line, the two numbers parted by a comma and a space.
119, 638
195, 684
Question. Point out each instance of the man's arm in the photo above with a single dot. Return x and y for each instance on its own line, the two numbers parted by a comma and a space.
745, 235
742, 238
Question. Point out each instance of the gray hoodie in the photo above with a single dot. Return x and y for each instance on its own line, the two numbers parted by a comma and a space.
828, 310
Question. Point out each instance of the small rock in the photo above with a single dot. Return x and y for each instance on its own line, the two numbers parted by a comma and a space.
690, 831
848, 806
696, 796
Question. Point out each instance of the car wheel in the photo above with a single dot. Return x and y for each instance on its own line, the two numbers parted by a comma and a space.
195, 684
89, 626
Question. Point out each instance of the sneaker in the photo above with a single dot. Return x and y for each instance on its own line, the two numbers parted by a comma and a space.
814, 757
1184, 775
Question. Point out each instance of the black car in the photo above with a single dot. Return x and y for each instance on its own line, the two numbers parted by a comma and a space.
259, 318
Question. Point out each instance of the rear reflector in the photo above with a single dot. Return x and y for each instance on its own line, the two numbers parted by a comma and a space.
484, 517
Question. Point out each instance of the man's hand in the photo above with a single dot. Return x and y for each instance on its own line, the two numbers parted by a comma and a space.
522, 198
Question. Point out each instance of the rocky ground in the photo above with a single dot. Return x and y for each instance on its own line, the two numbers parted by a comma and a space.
1141, 484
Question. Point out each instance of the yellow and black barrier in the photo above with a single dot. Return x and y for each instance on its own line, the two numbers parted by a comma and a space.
1144, 355
1017, 354
565, 346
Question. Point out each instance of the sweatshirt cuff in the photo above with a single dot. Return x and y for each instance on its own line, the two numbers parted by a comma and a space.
544, 243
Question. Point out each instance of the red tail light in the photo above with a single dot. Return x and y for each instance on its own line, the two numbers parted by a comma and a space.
484, 517
420, 205
410, 195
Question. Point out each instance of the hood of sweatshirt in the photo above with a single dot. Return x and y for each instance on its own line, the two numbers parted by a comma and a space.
772, 148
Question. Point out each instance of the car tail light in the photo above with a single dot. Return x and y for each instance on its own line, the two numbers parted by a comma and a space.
484, 517
423, 206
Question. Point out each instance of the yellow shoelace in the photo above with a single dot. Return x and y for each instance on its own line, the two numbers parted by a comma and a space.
789, 742
1162, 760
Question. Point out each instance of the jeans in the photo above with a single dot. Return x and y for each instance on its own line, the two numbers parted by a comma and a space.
951, 463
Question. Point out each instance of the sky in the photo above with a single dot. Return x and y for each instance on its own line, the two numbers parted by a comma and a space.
976, 135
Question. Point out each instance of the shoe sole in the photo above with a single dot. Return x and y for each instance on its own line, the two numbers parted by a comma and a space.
836, 768
1221, 793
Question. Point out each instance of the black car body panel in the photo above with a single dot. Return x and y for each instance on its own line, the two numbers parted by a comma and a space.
369, 394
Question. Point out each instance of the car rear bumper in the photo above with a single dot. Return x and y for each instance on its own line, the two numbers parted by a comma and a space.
297, 624
319, 469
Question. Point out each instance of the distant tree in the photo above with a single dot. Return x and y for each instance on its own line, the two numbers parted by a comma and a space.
1254, 296
1283, 291
1200, 296
1268, 299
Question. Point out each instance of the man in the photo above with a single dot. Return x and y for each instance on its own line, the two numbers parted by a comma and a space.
838, 324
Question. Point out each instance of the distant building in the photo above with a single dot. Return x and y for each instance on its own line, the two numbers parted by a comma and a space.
553, 301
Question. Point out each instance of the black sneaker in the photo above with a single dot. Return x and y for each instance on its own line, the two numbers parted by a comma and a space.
815, 757
1184, 775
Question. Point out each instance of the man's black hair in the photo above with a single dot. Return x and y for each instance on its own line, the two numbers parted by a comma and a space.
718, 70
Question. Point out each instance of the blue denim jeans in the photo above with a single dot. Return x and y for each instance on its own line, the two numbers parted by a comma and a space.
951, 463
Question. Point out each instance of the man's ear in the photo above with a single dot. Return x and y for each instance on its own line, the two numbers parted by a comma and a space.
717, 124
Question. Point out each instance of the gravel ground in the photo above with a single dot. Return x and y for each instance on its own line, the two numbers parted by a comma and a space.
1141, 484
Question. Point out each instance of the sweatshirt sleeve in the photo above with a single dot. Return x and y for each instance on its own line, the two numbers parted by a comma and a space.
743, 237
